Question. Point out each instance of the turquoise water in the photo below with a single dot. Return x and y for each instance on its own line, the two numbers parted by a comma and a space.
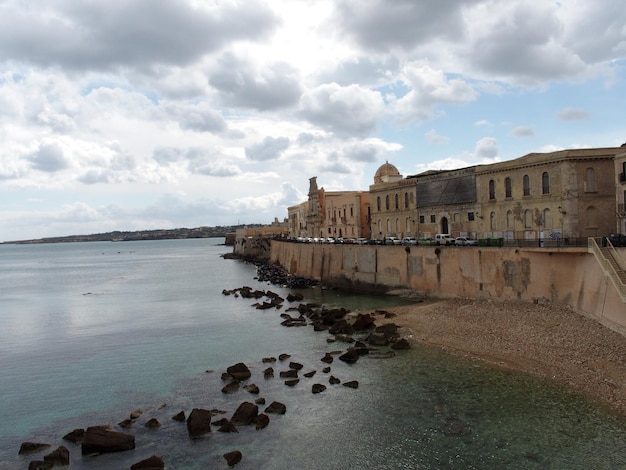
92, 331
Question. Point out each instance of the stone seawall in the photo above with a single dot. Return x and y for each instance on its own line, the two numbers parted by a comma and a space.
569, 276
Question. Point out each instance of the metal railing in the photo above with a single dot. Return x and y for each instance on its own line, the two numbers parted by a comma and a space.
606, 265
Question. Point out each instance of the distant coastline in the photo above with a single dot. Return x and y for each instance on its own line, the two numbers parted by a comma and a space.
158, 234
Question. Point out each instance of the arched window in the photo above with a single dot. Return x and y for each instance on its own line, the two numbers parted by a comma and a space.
590, 180
407, 224
378, 203
492, 189
547, 218
509, 219
492, 221
507, 187
387, 202
397, 226
406, 200
526, 185
545, 183
388, 226
397, 201
380, 226
528, 219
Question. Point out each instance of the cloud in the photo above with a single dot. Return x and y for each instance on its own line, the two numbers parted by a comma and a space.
573, 114
197, 118
269, 149
345, 111
241, 84
105, 35
522, 131
381, 25
428, 88
434, 138
49, 158
486, 148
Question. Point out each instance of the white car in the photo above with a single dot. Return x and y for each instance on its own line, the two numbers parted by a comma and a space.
464, 241
409, 241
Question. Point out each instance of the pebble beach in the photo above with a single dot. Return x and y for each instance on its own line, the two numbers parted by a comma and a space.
546, 340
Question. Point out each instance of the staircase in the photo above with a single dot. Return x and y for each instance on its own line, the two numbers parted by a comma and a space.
606, 257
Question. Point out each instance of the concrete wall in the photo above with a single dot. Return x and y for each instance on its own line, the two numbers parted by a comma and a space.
568, 276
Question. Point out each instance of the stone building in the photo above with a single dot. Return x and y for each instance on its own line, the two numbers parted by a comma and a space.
620, 193
330, 214
558, 195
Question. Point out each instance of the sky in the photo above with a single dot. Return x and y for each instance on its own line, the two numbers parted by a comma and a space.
142, 114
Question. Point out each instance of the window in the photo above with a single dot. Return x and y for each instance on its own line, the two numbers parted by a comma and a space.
509, 219
528, 219
592, 217
492, 189
387, 202
421, 219
388, 225
406, 200
526, 185
590, 180
547, 218
470, 216
433, 219
492, 221
397, 225
507, 187
351, 211
397, 202
545, 183
407, 224
378, 203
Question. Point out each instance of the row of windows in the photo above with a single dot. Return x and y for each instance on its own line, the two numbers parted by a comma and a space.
589, 184
334, 214
407, 197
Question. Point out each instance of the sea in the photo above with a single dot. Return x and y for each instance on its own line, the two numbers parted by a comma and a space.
90, 332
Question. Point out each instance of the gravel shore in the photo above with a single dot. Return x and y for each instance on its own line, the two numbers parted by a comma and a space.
545, 340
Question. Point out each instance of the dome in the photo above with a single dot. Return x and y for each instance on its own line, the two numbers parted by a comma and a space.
384, 172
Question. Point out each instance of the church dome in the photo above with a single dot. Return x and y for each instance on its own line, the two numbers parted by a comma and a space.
384, 172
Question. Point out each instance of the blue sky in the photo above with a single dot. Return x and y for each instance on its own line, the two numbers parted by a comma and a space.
123, 115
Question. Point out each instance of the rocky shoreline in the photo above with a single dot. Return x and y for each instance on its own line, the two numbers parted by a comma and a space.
543, 339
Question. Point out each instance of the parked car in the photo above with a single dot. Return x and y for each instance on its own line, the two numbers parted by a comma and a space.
392, 241
464, 241
409, 241
616, 239
425, 241
374, 241
444, 239
361, 241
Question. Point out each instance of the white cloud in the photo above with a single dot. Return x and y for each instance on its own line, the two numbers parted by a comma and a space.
269, 149
573, 114
434, 138
522, 131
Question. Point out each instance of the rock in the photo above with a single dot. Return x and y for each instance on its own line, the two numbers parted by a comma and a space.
233, 458
363, 322
220, 422
350, 356
75, 436
136, 413
284, 357
276, 407
179, 416
245, 414
334, 380
309, 374
252, 388
328, 358
377, 339
226, 377
389, 331
269, 372
292, 382
318, 388
288, 374
260, 401
239, 371
261, 421
59, 456
351, 384
153, 423
32, 447
232, 387
269, 359
295, 365
227, 426
99, 440
326, 370
198, 422
151, 463
402, 343
127, 423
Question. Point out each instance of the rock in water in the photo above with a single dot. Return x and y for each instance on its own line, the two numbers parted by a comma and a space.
60, 456
245, 414
151, 463
198, 422
233, 458
239, 371
99, 439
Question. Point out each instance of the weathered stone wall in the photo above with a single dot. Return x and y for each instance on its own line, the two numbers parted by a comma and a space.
568, 276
